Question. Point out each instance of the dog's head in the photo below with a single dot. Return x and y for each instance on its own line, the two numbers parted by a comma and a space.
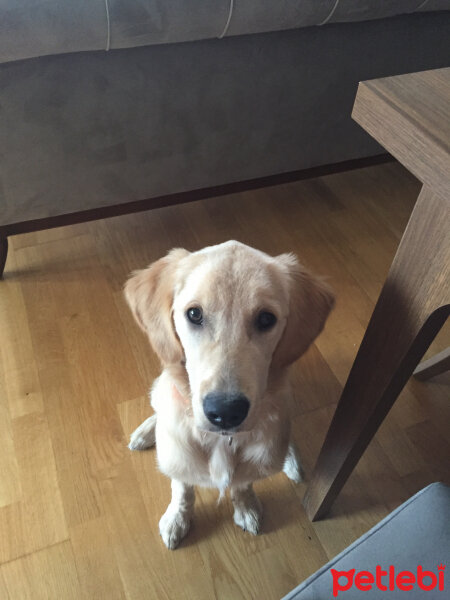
233, 316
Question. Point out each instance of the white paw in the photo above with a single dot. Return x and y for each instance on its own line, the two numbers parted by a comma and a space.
294, 471
292, 466
144, 436
173, 527
250, 517
138, 442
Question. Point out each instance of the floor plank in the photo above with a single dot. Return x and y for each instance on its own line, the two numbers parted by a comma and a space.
47, 574
95, 560
10, 488
37, 520
18, 364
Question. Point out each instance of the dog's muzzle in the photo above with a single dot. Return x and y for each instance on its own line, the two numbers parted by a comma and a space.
225, 411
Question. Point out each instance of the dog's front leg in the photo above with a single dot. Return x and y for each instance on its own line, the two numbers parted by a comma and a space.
247, 508
175, 522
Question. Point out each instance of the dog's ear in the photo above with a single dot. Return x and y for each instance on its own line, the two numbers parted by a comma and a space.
310, 302
149, 293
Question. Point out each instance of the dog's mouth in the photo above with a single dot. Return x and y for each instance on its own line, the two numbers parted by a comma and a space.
218, 431
230, 436
231, 432
221, 432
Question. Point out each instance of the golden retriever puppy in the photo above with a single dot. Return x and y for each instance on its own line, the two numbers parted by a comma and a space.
226, 322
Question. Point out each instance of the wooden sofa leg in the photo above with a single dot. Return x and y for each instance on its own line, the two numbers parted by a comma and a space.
3, 253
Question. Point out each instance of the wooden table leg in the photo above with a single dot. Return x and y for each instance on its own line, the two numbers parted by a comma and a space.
412, 307
3, 253
433, 366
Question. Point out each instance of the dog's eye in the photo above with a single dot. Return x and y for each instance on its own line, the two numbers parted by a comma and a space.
265, 321
195, 315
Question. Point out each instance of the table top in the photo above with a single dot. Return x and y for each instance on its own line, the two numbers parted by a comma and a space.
410, 116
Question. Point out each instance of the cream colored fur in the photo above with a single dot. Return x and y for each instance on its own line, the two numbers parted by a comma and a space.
231, 283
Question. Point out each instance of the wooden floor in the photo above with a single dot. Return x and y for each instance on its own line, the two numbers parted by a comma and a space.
78, 511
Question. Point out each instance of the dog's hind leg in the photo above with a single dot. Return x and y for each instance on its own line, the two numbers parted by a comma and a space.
144, 436
292, 465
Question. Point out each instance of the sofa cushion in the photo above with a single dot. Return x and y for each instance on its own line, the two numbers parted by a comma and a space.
31, 28
416, 533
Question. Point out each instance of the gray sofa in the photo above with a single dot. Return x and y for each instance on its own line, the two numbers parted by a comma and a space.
109, 103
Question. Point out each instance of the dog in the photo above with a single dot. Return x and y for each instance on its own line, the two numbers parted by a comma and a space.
226, 322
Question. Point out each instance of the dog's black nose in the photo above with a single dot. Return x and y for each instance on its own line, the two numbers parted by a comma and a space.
225, 411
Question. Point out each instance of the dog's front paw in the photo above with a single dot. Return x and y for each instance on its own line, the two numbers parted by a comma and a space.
292, 465
173, 527
144, 436
249, 517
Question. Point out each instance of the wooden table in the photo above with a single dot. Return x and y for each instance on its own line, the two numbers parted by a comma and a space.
410, 116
